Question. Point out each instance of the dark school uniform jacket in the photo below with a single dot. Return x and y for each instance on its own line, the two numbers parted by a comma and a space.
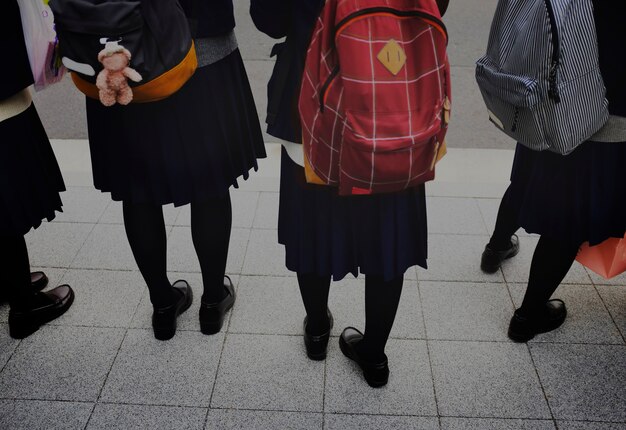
295, 19
15, 74
209, 18
610, 19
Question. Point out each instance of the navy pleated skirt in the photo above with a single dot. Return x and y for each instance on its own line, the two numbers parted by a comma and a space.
30, 179
192, 146
575, 198
326, 234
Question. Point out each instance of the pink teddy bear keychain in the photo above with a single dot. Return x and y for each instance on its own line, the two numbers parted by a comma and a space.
112, 81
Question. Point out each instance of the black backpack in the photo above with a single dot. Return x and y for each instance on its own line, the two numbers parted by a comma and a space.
156, 32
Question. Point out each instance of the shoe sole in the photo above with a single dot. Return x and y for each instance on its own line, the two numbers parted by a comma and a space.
320, 356
493, 269
166, 333
21, 330
317, 357
41, 283
346, 350
525, 337
213, 327
519, 337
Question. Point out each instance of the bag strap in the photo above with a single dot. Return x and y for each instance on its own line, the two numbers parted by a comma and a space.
553, 91
287, 51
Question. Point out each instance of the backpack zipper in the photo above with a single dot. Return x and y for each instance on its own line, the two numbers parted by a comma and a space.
363, 13
553, 90
515, 120
326, 87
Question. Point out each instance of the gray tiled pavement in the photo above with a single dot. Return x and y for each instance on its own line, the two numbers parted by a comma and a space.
98, 367
452, 365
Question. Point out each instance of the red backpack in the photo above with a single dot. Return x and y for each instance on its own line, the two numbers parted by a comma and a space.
375, 97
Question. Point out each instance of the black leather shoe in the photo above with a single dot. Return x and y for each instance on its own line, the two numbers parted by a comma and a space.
164, 319
492, 259
38, 281
44, 307
376, 374
523, 329
212, 314
316, 345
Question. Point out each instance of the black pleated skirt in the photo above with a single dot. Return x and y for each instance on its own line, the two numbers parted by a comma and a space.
192, 146
575, 198
326, 234
30, 178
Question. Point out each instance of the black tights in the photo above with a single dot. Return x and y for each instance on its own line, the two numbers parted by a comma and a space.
381, 304
210, 228
15, 270
551, 261
506, 223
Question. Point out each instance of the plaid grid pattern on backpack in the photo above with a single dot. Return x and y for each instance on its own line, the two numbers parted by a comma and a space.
375, 95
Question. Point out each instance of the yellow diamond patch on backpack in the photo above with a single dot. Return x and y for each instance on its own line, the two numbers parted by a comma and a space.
392, 56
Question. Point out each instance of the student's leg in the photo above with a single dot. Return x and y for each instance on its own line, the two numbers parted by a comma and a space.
503, 244
551, 262
30, 309
506, 224
319, 321
381, 305
15, 271
368, 350
315, 290
538, 314
145, 229
211, 223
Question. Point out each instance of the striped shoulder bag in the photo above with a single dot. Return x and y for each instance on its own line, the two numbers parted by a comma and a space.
540, 78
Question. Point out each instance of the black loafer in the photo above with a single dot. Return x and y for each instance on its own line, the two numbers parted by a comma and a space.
164, 319
212, 314
38, 281
376, 374
317, 345
491, 260
45, 308
523, 329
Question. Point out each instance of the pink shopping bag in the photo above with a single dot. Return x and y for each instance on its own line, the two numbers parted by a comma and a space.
607, 259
